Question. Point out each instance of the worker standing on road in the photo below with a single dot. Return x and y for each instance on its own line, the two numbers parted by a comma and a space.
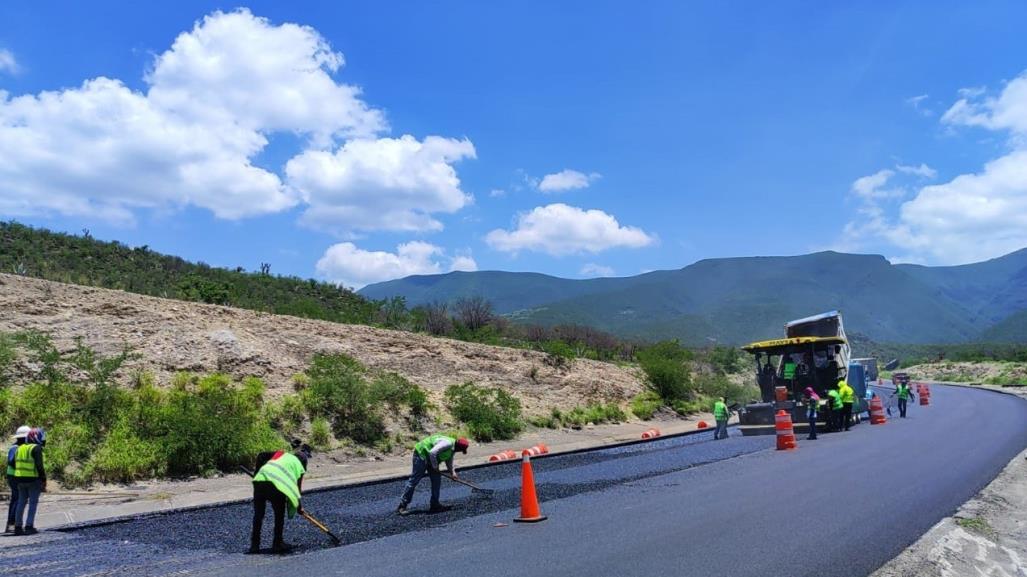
31, 480
427, 455
12, 481
848, 399
279, 480
902, 391
812, 407
834, 409
721, 415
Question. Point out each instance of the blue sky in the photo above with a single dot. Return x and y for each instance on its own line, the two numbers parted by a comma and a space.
380, 139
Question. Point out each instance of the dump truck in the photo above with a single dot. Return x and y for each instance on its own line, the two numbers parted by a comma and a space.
814, 353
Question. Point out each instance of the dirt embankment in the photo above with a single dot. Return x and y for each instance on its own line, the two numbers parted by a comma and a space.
173, 336
988, 373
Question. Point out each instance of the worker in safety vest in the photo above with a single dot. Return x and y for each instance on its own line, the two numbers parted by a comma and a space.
279, 480
902, 392
30, 476
428, 454
12, 481
721, 414
848, 396
834, 409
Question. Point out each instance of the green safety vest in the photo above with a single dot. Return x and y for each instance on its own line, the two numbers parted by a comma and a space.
903, 391
789, 372
836, 399
284, 472
423, 447
24, 464
847, 393
10, 466
720, 411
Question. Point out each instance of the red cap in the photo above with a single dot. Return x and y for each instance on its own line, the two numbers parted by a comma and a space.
462, 444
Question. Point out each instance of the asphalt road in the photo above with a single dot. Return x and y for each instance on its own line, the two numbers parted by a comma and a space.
841, 505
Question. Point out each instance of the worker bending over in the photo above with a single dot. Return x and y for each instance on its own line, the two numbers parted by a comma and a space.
428, 453
279, 480
834, 409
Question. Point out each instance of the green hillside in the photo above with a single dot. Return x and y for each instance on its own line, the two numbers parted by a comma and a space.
736, 300
86, 261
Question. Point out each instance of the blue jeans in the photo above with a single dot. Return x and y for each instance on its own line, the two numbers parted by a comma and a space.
420, 469
902, 408
13, 505
812, 427
28, 494
721, 432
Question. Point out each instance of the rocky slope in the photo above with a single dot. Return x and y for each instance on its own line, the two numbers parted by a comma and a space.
174, 336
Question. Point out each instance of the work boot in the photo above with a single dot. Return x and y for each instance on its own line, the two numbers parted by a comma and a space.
9, 529
439, 508
17, 530
402, 511
254, 548
29, 530
282, 548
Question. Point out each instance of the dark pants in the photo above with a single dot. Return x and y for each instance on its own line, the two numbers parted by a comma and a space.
28, 496
812, 427
902, 408
264, 491
419, 470
13, 505
846, 415
721, 432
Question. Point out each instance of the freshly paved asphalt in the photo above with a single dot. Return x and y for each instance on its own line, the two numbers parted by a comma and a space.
838, 506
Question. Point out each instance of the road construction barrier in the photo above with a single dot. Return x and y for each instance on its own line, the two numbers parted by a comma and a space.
877, 411
537, 450
781, 394
785, 431
504, 456
925, 395
530, 512
702, 425
651, 434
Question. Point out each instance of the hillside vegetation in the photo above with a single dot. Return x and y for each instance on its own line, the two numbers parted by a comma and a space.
738, 300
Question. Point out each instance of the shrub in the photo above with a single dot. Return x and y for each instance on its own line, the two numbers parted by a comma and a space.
123, 457
558, 354
645, 405
8, 354
320, 435
682, 407
339, 393
595, 413
396, 391
544, 421
715, 386
666, 370
489, 413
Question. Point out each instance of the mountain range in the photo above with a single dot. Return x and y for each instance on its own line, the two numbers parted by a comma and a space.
737, 300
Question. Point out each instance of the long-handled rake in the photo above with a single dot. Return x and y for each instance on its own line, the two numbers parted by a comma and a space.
474, 488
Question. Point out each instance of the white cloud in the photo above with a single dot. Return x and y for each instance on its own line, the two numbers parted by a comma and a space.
464, 263
383, 184
972, 217
872, 186
211, 104
7, 62
497, 193
1006, 112
559, 229
593, 270
923, 171
346, 264
567, 179
916, 101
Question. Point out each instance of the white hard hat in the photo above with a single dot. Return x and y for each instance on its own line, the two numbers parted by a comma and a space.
22, 432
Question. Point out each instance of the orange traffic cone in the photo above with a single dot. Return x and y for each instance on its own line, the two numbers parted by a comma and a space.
877, 411
785, 431
530, 512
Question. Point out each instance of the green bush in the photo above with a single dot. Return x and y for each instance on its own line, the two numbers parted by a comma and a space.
715, 386
596, 413
396, 391
682, 407
645, 405
543, 421
558, 354
489, 413
320, 435
666, 369
8, 354
123, 457
339, 393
